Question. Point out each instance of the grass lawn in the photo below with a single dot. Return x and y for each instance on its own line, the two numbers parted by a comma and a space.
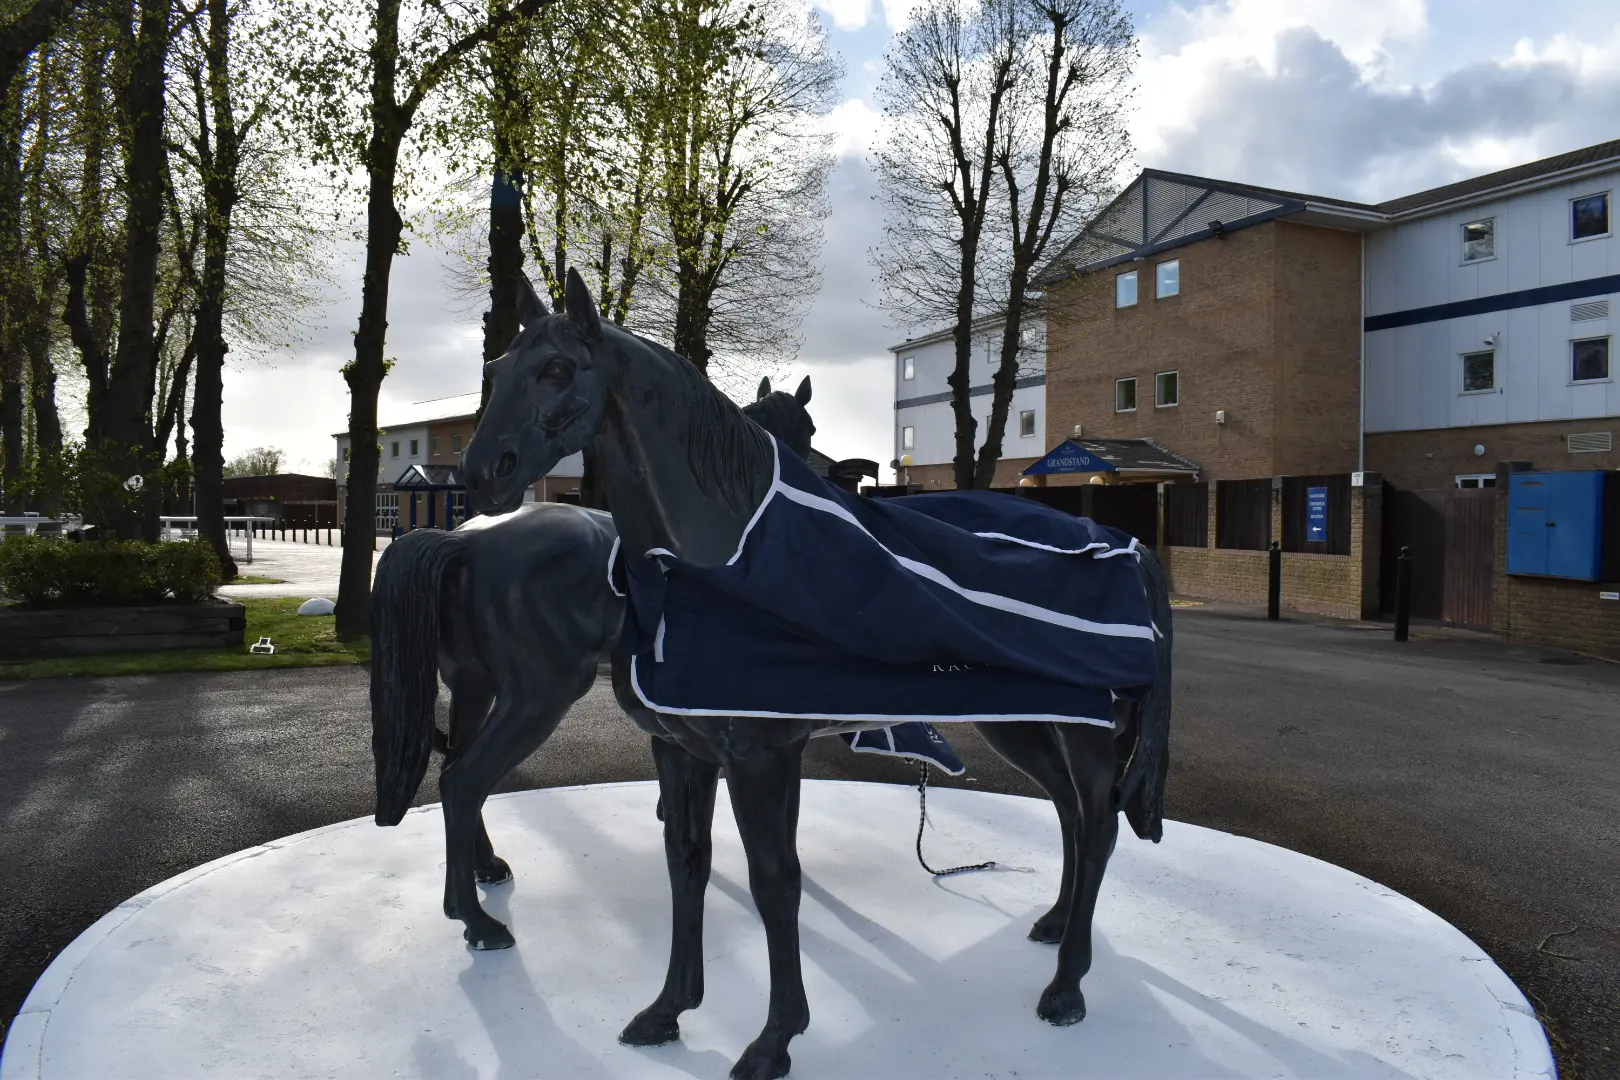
300, 640
256, 579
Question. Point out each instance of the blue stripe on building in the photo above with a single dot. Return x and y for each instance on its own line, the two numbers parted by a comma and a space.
973, 392
1484, 305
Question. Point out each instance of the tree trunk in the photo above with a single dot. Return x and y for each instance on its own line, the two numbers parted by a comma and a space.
28, 32
692, 318
961, 377
364, 376
208, 329
505, 258
15, 300
1003, 383
11, 430
131, 382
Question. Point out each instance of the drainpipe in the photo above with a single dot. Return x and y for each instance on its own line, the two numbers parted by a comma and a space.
1361, 336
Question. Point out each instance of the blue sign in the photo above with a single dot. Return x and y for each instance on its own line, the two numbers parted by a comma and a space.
1316, 515
1069, 458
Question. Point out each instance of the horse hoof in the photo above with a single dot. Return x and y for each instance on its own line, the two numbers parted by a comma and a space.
650, 1028
490, 936
762, 1063
496, 873
1062, 1005
1048, 930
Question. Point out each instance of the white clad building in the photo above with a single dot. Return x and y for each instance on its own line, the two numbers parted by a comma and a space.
1490, 308
925, 425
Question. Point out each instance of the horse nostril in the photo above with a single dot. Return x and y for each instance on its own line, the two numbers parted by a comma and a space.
506, 465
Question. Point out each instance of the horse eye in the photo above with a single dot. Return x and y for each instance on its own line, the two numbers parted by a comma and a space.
555, 371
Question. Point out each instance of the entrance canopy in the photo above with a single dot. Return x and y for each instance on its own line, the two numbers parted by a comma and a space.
1129, 459
429, 478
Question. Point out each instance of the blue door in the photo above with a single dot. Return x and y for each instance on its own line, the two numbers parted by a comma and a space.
1529, 511
1573, 525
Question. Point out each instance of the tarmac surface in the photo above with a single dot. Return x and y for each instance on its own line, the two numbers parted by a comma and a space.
304, 570
1480, 779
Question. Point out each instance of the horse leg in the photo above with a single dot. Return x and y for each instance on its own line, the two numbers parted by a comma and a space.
472, 692
1088, 752
1033, 749
510, 733
686, 786
764, 787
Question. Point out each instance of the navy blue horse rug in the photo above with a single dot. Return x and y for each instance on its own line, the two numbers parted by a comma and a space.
958, 606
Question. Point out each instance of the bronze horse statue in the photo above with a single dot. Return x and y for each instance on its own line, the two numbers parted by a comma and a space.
685, 473
515, 611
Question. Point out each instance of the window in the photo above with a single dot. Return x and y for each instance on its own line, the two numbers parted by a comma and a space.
1589, 216
387, 511
908, 367
1026, 424
345, 453
1166, 389
394, 450
1477, 480
1169, 278
1590, 360
414, 445
907, 437
1479, 372
435, 444
1125, 290
455, 444
1124, 395
1479, 240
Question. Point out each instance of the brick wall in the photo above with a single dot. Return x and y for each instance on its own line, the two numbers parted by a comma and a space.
942, 477
1341, 586
1421, 460
1318, 313
1265, 328
1553, 612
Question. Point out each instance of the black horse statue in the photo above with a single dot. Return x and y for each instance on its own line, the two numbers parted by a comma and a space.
514, 611
686, 474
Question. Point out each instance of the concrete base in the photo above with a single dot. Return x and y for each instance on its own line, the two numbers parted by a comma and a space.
326, 954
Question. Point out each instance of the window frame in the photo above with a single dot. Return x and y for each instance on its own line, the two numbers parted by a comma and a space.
455, 444
1480, 480
434, 444
415, 447
389, 501
1608, 213
1463, 372
1608, 358
1119, 383
1157, 375
1464, 259
908, 368
345, 455
908, 437
1158, 283
1022, 413
1136, 289
393, 449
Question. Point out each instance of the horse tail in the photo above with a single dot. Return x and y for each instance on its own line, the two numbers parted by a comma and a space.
405, 597
1142, 787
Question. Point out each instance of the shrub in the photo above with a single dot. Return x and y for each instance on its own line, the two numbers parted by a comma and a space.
48, 572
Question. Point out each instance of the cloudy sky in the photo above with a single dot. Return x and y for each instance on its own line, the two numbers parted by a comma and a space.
1363, 99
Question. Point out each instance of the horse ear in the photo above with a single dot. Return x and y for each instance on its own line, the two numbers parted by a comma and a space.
581, 308
531, 309
802, 394
764, 390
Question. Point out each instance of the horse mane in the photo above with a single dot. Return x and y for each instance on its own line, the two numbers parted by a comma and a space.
722, 444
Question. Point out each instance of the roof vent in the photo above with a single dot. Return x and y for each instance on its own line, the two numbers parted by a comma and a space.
1591, 442
1597, 309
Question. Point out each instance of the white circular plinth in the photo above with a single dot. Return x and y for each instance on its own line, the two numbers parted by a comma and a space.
326, 954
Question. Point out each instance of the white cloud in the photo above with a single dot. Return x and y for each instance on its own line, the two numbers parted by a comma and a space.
854, 125
846, 14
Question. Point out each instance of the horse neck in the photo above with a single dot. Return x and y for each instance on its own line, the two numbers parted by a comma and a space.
682, 467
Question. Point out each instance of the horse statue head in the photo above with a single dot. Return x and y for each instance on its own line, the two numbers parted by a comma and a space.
550, 389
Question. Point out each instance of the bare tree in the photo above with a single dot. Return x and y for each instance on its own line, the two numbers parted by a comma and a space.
1005, 128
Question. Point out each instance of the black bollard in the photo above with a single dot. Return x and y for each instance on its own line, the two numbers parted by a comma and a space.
1403, 593
1274, 584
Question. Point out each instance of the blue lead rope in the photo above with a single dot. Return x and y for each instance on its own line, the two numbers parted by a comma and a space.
922, 820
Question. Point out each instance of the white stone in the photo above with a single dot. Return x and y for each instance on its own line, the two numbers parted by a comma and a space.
318, 606
327, 954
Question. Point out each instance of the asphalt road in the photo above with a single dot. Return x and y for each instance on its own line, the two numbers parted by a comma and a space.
1480, 779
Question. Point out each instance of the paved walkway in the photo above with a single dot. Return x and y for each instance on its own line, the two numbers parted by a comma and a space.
306, 570
1480, 779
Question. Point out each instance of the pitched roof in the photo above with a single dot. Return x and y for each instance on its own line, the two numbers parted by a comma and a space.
1518, 174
